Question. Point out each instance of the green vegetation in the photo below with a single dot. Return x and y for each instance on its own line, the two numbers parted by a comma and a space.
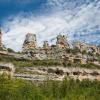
10, 50
29, 63
49, 90
98, 56
88, 65
36, 63
45, 63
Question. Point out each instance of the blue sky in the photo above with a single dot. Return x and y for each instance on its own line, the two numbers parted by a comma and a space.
14, 7
78, 19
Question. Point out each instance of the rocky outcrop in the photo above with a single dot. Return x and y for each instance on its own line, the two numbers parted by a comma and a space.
30, 42
0, 39
57, 73
62, 41
2, 48
7, 69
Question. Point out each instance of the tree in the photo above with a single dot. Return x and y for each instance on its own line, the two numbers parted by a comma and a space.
10, 50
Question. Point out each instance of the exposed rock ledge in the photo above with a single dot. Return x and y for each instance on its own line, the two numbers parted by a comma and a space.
58, 73
7, 69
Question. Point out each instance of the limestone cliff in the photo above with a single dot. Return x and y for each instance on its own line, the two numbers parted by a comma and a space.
30, 42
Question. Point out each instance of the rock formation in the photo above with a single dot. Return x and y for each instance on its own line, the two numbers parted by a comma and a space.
62, 41
7, 69
2, 47
57, 73
86, 47
79, 53
30, 42
0, 40
46, 45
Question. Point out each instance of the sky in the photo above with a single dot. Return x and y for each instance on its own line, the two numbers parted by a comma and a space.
78, 19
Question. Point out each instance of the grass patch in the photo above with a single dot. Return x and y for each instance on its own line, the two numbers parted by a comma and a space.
49, 90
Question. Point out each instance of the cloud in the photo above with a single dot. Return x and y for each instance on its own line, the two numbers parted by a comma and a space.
77, 23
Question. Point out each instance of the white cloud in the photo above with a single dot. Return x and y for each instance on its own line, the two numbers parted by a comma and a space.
85, 17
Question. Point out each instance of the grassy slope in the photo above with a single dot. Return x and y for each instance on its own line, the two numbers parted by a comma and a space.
49, 90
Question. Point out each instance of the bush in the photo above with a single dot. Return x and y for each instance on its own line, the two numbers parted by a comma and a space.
10, 50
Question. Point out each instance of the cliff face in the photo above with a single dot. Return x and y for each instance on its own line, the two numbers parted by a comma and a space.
2, 47
0, 39
62, 41
7, 69
57, 73
30, 42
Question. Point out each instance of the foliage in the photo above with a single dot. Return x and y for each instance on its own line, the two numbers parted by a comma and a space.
10, 50
49, 90
90, 65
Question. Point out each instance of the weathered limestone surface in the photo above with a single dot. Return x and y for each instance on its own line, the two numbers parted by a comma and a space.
59, 51
30, 42
87, 47
58, 73
62, 41
0, 39
7, 69
2, 47
47, 50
